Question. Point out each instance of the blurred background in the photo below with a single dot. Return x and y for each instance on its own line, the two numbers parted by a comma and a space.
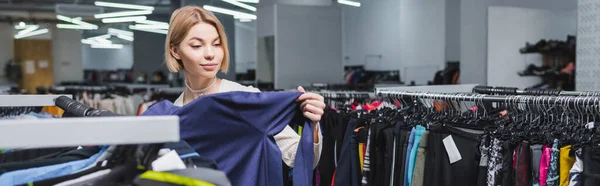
331, 44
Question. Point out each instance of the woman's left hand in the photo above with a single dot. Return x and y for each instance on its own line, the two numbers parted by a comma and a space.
312, 106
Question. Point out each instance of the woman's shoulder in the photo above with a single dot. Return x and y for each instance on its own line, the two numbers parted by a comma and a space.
230, 86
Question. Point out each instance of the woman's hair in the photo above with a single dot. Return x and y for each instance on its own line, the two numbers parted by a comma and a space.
182, 20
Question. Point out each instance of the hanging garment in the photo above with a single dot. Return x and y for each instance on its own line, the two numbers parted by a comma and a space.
484, 148
545, 165
508, 157
347, 172
536, 158
411, 140
73, 155
329, 123
419, 170
566, 163
413, 153
252, 156
495, 164
576, 170
402, 145
553, 177
46, 172
437, 164
523, 170
173, 178
591, 169
366, 170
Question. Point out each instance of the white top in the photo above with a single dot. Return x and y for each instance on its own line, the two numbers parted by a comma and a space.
287, 140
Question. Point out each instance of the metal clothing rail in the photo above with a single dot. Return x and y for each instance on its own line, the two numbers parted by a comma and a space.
346, 94
516, 91
85, 130
28, 100
67, 132
551, 100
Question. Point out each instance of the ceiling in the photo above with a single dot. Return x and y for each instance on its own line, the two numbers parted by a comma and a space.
44, 10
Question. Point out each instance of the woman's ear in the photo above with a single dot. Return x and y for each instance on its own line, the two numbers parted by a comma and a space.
174, 52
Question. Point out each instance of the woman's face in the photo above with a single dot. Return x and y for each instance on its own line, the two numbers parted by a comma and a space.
200, 51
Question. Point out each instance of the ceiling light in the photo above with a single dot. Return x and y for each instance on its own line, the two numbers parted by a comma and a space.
34, 33
248, 1
76, 21
109, 46
121, 14
230, 12
237, 3
114, 31
22, 23
348, 2
27, 30
19, 27
150, 22
151, 26
124, 19
158, 31
245, 20
125, 37
121, 5
75, 27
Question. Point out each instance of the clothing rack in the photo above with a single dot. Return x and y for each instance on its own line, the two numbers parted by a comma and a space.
84, 131
346, 94
516, 91
29, 100
542, 99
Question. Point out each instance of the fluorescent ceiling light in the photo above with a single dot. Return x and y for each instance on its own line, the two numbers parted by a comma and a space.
150, 22
21, 23
114, 31
124, 6
248, 1
121, 14
96, 41
27, 30
348, 2
125, 37
75, 27
76, 21
245, 20
109, 46
21, 27
124, 19
151, 26
237, 3
34, 33
158, 31
230, 12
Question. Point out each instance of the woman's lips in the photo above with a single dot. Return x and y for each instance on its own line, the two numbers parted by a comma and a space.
209, 67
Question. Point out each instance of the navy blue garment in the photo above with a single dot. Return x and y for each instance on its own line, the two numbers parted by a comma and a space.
347, 172
236, 130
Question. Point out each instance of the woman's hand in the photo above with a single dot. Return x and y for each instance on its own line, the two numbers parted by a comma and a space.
312, 106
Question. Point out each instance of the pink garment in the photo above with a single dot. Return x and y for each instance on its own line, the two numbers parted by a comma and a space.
545, 164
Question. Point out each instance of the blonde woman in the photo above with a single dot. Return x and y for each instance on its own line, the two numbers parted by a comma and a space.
196, 44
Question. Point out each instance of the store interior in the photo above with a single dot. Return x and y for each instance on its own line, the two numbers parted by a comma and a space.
467, 59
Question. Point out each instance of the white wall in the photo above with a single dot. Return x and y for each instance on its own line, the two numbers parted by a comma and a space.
68, 63
245, 46
107, 59
372, 30
453, 30
265, 25
422, 39
307, 54
508, 30
473, 41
